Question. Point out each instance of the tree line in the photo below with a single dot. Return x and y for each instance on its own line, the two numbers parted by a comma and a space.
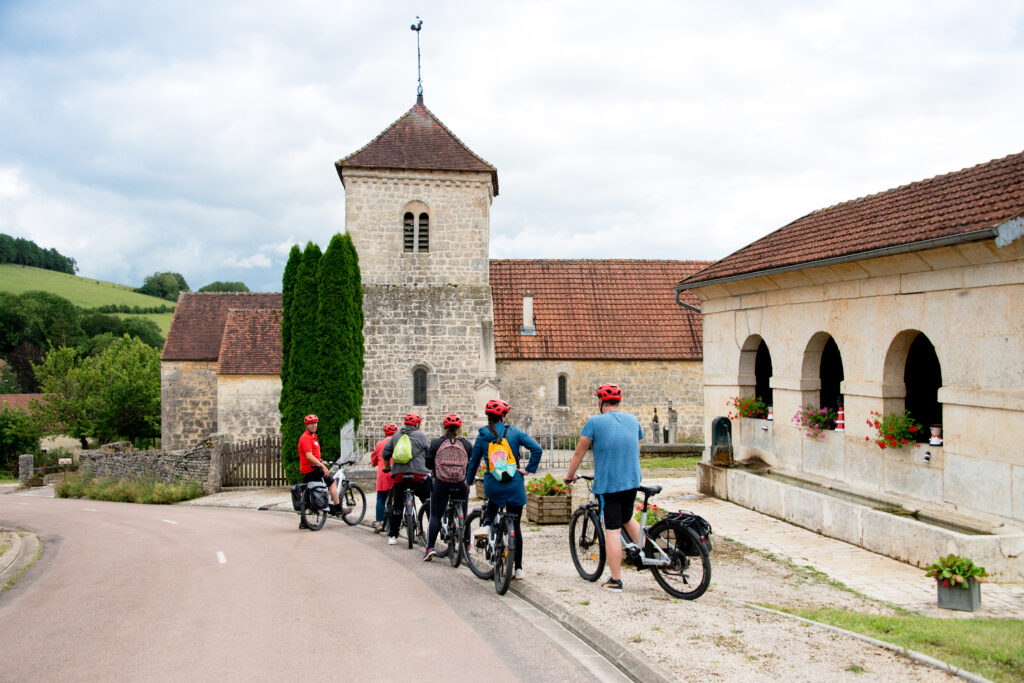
169, 285
321, 346
27, 253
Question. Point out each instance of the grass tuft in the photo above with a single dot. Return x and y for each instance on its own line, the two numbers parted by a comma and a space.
144, 490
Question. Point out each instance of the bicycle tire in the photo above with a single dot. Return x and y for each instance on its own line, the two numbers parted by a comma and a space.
689, 574
455, 526
352, 496
586, 544
409, 515
313, 519
505, 556
474, 549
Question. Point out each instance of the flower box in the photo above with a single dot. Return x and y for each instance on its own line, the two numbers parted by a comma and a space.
548, 509
960, 598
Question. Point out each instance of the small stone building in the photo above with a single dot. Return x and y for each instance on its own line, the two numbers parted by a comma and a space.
910, 299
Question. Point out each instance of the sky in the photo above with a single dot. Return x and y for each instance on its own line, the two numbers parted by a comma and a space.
200, 137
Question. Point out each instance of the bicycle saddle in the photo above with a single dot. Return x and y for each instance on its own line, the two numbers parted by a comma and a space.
649, 490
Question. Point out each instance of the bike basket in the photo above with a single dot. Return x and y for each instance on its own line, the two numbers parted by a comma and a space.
297, 491
699, 525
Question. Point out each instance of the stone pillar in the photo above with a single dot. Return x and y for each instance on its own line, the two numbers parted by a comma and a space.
218, 443
673, 423
25, 468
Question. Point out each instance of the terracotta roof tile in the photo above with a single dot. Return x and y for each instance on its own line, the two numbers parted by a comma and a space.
417, 141
595, 309
252, 343
976, 198
198, 323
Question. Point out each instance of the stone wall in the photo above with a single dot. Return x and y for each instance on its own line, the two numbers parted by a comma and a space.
531, 388
200, 464
188, 405
967, 299
247, 406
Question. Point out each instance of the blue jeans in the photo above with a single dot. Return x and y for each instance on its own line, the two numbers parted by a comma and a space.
382, 501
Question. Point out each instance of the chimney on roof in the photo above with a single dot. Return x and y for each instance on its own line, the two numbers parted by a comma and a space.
527, 329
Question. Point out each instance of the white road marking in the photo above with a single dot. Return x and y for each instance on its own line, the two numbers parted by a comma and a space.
168, 521
90, 510
221, 558
24, 503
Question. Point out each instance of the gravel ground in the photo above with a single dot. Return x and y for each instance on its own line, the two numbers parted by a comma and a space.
712, 636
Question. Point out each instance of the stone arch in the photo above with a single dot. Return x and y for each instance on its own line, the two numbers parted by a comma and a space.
821, 372
755, 369
416, 227
912, 377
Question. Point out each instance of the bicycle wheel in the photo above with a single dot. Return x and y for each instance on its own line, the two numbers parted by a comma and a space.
353, 497
586, 544
410, 521
504, 556
475, 549
456, 523
313, 518
689, 574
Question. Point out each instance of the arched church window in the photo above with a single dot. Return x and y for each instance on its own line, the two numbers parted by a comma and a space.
563, 390
831, 373
922, 376
424, 233
419, 387
409, 232
763, 373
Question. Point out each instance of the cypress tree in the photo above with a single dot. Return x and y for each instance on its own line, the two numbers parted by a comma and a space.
287, 296
303, 359
354, 328
332, 370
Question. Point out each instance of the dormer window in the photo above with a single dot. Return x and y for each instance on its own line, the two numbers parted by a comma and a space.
416, 232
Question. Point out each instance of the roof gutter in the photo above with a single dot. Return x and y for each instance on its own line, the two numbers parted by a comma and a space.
975, 236
691, 307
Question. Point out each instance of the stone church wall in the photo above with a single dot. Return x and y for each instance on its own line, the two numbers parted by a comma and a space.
247, 406
188, 407
531, 388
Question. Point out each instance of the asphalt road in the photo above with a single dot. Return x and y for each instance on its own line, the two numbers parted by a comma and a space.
151, 593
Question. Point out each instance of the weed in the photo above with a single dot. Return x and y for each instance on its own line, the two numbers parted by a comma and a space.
563, 590
855, 669
583, 602
638, 638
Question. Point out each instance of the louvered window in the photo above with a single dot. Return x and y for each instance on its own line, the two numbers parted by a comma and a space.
424, 233
409, 232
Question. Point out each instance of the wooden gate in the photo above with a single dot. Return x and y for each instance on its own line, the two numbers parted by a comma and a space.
254, 463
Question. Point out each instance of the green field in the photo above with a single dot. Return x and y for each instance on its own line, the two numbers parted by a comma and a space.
81, 291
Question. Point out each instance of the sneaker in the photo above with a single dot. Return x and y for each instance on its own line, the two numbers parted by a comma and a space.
392, 540
518, 574
378, 527
482, 532
612, 584
428, 554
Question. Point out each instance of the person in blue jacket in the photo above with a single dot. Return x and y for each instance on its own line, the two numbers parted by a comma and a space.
505, 487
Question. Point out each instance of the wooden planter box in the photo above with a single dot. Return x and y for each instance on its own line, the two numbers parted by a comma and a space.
959, 598
548, 509
36, 481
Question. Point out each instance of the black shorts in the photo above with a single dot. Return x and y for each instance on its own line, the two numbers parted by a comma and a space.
617, 508
317, 475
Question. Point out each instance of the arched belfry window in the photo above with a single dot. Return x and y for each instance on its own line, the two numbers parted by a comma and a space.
922, 376
563, 390
419, 387
831, 373
763, 373
416, 228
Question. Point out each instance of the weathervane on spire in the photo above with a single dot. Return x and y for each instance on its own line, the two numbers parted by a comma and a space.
419, 78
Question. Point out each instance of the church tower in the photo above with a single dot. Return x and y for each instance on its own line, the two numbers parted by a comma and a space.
417, 205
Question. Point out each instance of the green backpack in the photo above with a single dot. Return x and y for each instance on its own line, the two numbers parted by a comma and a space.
402, 453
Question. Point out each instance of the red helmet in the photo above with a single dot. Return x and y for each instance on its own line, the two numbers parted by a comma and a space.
310, 418
390, 428
413, 419
609, 392
497, 407
452, 420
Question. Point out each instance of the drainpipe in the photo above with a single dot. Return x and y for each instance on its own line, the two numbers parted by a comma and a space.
685, 305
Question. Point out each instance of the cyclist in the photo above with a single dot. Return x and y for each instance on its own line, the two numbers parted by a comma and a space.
615, 436
509, 494
383, 477
449, 475
417, 466
312, 468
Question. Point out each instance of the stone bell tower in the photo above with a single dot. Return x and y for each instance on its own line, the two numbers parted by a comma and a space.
417, 205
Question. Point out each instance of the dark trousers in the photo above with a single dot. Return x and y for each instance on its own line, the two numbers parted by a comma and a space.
517, 511
439, 495
420, 488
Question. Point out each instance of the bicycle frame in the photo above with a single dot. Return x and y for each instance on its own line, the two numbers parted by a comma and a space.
660, 560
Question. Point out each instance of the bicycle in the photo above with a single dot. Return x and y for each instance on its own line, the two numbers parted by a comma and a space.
492, 557
413, 530
453, 521
670, 549
314, 516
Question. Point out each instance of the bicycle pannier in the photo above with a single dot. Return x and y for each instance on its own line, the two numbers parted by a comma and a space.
451, 461
402, 452
318, 497
297, 491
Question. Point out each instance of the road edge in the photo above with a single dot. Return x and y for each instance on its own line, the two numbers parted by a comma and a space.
22, 557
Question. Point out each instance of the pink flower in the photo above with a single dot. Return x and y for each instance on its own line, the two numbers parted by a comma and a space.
945, 583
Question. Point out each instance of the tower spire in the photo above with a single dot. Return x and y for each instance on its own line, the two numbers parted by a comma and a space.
417, 27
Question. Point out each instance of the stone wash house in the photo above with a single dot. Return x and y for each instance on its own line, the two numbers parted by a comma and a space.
910, 299
446, 328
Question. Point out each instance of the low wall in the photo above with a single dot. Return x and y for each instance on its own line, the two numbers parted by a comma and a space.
902, 538
200, 464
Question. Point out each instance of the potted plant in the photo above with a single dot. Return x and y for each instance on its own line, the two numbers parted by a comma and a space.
813, 421
748, 406
893, 430
548, 501
958, 581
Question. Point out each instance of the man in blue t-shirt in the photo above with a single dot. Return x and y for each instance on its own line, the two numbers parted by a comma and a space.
615, 437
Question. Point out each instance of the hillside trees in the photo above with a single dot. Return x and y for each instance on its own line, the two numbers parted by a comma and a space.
219, 286
27, 253
164, 285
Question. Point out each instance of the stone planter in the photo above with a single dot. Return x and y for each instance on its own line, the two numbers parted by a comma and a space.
959, 598
548, 509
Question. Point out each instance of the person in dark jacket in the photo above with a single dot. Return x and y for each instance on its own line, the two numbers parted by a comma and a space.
510, 494
449, 475
417, 467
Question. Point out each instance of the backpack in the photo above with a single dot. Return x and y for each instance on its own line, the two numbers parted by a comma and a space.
402, 453
451, 461
501, 464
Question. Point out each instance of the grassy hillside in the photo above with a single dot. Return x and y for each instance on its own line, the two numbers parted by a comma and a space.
81, 291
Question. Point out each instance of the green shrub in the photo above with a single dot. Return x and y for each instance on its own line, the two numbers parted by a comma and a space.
144, 490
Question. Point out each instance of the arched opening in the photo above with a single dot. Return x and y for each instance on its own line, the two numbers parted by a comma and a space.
423, 238
755, 369
416, 228
763, 374
563, 390
922, 375
830, 370
419, 387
